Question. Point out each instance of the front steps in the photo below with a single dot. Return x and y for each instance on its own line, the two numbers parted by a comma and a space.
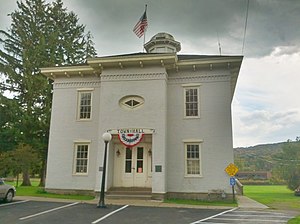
133, 193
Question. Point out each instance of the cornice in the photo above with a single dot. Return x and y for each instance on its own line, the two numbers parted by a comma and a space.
132, 77
199, 78
72, 84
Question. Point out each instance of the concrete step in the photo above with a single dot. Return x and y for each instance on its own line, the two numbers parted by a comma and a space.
129, 193
126, 196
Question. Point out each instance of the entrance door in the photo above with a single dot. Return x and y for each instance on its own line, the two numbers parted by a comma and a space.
133, 166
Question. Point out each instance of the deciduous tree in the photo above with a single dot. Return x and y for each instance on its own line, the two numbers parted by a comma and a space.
289, 163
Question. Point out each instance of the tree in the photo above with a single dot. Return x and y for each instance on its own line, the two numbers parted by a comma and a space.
41, 35
289, 163
22, 160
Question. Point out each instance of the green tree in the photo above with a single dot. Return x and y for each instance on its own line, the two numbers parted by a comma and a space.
288, 162
9, 131
24, 159
41, 35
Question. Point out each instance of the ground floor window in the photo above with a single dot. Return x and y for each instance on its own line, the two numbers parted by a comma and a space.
193, 159
81, 158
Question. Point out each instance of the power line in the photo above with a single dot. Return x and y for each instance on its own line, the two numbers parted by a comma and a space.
245, 29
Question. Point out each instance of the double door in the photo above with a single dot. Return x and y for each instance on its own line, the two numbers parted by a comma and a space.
133, 166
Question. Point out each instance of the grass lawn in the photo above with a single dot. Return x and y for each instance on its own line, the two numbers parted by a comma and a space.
276, 197
37, 191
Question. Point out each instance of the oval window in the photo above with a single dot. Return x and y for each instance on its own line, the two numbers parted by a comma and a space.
131, 102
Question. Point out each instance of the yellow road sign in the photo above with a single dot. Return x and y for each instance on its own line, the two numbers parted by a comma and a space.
231, 169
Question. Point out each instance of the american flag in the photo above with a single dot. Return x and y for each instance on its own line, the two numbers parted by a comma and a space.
141, 26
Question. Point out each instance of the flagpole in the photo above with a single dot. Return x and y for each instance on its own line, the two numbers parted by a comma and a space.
145, 31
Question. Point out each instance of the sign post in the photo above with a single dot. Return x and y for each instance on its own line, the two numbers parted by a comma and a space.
231, 170
232, 183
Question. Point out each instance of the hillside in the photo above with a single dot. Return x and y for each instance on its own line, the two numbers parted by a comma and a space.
257, 158
259, 150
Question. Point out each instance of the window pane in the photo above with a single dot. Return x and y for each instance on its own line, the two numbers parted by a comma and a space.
193, 167
140, 157
139, 166
193, 159
128, 160
85, 105
191, 102
81, 158
128, 153
140, 151
128, 167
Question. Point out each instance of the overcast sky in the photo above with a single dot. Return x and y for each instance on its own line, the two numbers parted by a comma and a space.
266, 105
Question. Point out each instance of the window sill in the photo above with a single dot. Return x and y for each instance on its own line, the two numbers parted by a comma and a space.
80, 174
193, 176
191, 117
83, 120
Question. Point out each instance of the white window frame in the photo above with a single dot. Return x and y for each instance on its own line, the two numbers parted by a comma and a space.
76, 145
79, 95
193, 142
187, 87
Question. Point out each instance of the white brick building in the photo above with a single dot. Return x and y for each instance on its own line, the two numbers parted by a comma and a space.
180, 103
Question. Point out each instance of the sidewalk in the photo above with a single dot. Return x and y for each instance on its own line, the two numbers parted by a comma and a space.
248, 203
243, 202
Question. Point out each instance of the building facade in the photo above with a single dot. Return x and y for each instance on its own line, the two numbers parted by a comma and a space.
169, 115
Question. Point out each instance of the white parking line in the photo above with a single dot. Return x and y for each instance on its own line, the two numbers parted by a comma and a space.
262, 212
109, 214
265, 216
13, 203
51, 210
211, 217
252, 220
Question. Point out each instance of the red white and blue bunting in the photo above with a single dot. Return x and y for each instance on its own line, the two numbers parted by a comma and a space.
130, 139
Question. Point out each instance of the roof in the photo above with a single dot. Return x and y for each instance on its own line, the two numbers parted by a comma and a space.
180, 56
171, 61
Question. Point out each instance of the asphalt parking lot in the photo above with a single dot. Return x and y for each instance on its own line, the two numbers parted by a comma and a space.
53, 212
36, 212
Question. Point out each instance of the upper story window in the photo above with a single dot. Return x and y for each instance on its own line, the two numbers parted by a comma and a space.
131, 102
191, 102
84, 105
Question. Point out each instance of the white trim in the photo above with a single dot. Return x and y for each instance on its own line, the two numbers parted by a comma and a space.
76, 144
192, 140
85, 89
185, 160
79, 92
82, 141
139, 99
191, 86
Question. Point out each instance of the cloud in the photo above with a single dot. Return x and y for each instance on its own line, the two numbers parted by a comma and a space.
264, 126
266, 106
266, 103
196, 24
286, 50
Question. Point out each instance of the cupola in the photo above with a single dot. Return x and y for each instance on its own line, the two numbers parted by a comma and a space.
162, 43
